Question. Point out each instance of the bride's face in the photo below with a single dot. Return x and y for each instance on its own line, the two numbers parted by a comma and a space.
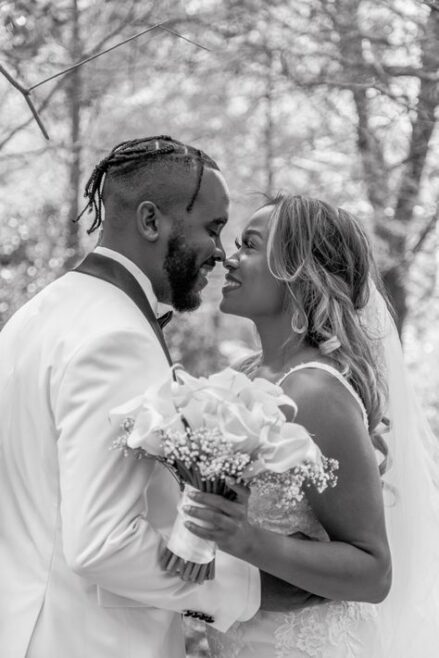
250, 290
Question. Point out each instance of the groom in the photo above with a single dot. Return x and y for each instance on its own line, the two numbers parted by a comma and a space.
81, 526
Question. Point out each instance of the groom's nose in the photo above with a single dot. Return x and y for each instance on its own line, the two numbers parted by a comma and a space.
219, 254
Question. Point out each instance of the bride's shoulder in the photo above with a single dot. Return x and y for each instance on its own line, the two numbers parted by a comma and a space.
321, 395
309, 382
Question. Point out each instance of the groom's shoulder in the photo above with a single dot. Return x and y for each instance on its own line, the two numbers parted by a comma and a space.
91, 297
76, 305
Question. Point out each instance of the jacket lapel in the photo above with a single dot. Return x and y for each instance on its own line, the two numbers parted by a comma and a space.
113, 272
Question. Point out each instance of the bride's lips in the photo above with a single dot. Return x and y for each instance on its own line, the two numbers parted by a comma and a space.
232, 283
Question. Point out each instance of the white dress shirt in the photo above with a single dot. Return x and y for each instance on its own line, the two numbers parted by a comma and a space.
159, 308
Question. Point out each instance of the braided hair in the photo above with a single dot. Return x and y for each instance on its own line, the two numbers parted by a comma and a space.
135, 154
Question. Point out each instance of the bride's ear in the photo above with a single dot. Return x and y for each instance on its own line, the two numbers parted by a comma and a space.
147, 219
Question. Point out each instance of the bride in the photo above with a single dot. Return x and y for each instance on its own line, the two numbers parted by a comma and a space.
303, 273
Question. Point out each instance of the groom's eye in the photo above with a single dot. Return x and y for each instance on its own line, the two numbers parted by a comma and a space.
238, 245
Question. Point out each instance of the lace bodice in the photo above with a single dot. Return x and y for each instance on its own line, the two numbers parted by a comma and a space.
267, 510
332, 630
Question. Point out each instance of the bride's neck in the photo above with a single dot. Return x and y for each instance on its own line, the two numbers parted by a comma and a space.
273, 334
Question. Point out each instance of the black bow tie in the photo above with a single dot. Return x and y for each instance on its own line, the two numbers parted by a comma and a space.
164, 319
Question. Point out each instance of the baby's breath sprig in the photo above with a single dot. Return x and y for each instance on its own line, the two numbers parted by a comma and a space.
121, 442
207, 451
294, 481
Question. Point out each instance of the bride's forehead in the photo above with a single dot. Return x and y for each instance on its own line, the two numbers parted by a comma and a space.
259, 220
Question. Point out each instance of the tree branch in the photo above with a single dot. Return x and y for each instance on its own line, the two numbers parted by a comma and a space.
428, 228
26, 91
92, 57
26, 95
41, 107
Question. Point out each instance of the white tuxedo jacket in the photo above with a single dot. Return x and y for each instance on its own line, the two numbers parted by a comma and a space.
80, 525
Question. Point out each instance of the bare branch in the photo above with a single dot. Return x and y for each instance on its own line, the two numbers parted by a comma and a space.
181, 36
26, 94
92, 57
43, 105
428, 228
13, 81
126, 21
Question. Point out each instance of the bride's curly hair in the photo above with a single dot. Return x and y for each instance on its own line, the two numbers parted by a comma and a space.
323, 256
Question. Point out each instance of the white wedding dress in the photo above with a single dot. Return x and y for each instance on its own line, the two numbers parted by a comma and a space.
339, 629
406, 623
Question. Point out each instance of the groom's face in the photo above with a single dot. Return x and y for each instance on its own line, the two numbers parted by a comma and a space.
194, 244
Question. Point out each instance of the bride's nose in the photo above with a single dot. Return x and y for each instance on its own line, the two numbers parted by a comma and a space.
232, 262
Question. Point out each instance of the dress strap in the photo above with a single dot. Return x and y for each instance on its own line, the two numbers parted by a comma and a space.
337, 374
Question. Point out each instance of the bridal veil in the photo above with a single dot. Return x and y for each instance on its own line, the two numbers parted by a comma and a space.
409, 617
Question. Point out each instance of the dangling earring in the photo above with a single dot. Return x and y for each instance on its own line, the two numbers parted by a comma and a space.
295, 325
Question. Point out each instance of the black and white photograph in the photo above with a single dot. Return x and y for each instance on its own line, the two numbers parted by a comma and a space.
219, 329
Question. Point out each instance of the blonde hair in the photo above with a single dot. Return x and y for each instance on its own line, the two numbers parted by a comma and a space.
323, 256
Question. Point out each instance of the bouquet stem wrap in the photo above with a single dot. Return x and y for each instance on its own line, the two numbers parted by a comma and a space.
183, 542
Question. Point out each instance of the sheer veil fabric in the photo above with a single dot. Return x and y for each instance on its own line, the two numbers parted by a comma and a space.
409, 617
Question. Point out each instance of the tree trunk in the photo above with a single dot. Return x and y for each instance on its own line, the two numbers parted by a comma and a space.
74, 102
269, 128
268, 96
356, 72
408, 193
392, 231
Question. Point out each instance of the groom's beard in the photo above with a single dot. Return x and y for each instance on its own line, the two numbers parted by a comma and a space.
181, 267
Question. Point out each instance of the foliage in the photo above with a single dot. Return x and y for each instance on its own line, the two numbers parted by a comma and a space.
334, 98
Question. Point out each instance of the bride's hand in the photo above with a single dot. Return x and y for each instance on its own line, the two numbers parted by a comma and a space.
226, 520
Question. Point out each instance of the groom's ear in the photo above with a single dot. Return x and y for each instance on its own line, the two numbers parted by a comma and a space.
147, 218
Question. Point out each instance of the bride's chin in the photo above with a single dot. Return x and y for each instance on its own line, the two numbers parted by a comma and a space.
231, 309
226, 307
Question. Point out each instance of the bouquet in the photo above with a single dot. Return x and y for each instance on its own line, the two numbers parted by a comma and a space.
209, 429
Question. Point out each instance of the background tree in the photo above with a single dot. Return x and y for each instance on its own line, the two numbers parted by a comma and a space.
333, 98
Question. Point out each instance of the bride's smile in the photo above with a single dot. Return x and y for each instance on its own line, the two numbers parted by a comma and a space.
250, 290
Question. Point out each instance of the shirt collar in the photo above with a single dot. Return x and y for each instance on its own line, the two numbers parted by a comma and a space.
158, 307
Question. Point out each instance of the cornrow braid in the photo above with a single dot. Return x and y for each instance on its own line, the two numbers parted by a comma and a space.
130, 155
199, 178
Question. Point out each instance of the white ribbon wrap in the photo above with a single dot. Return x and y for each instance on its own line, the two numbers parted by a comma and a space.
183, 542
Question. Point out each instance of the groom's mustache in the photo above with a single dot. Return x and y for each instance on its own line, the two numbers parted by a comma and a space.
210, 263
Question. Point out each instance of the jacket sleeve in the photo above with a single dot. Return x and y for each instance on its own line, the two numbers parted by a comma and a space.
107, 539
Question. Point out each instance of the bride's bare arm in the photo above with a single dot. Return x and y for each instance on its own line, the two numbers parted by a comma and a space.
279, 596
355, 564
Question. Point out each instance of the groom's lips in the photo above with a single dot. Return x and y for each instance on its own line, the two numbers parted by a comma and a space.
202, 274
